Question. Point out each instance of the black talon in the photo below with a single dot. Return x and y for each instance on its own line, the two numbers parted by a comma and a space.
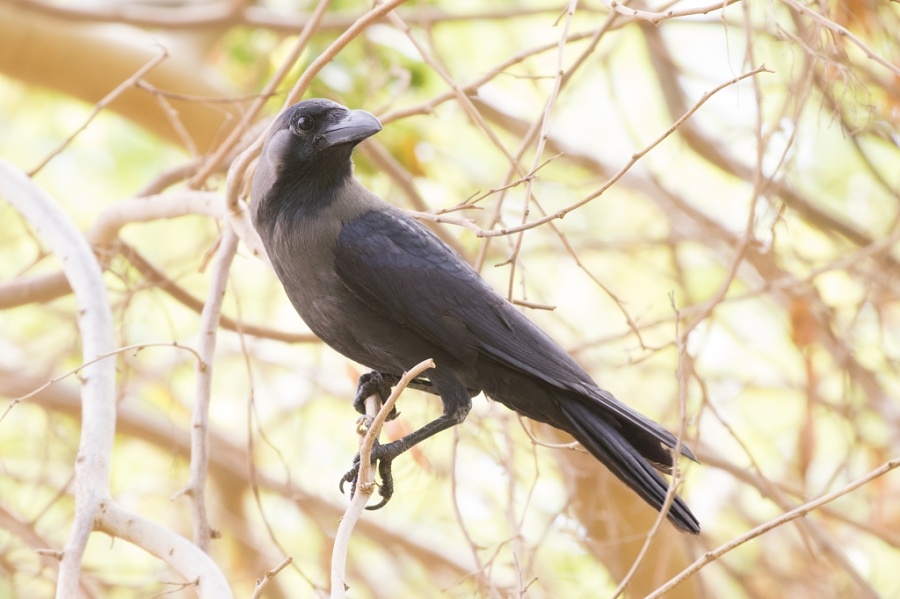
350, 477
386, 489
384, 456
373, 383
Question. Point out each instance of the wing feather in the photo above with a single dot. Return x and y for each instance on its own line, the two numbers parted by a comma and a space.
407, 273
401, 267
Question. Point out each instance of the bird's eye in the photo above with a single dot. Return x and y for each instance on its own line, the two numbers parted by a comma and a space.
304, 123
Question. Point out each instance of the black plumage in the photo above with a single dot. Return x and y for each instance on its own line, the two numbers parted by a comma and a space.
381, 289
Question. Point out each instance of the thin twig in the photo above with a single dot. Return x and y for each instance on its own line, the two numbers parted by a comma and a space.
542, 140
365, 482
269, 576
843, 32
274, 81
53, 380
103, 103
239, 166
676, 452
209, 323
657, 17
631, 162
98, 390
803, 510
159, 280
480, 576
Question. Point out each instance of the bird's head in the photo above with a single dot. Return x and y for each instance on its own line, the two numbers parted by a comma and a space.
308, 148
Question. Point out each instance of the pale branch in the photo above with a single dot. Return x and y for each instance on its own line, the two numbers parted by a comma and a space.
209, 324
184, 557
263, 582
657, 17
428, 106
559, 214
362, 491
53, 380
457, 90
228, 14
103, 103
227, 465
743, 244
168, 177
561, 78
46, 288
680, 375
377, 11
722, 156
239, 167
800, 511
235, 177
842, 32
157, 279
546, 140
544, 128
784, 493
532, 436
365, 481
95, 323
812, 530
483, 580
109, 223
174, 205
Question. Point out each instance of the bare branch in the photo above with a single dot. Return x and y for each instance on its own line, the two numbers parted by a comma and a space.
681, 375
106, 101
631, 162
270, 575
99, 381
53, 380
657, 17
365, 483
239, 167
235, 175
183, 556
209, 322
842, 32
803, 510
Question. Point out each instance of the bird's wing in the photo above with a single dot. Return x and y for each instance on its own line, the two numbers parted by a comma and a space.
419, 282
403, 270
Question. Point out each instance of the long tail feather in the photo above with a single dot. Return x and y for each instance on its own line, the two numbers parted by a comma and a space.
606, 443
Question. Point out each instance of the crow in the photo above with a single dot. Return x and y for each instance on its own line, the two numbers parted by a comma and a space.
384, 291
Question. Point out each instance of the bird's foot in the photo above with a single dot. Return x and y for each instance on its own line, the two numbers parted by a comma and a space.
384, 456
373, 383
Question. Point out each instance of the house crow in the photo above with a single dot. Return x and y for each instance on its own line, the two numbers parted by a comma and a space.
381, 289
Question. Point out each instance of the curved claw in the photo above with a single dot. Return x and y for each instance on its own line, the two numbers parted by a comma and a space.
384, 461
350, 477
372, 383
386, 489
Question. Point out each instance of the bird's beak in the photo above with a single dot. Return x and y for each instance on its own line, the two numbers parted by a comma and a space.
355, 127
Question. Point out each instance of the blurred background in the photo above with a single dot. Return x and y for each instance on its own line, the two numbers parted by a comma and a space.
738, 282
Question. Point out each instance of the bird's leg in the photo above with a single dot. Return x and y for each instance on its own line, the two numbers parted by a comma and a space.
418, 383
456, 407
